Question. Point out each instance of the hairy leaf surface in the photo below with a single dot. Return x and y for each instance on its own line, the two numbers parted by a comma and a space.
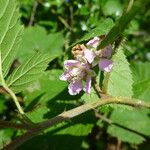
26, 73
119, 81
136, 122
35, 38
141, 75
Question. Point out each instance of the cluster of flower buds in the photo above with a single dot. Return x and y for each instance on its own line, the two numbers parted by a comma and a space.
78, 72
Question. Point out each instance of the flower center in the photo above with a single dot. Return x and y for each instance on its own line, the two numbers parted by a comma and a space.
77, 73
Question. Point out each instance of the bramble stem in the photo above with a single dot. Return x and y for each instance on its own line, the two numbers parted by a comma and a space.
71, 114
12, 125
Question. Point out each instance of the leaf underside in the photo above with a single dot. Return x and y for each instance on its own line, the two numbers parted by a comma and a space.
10, 33
10, 37
28, 72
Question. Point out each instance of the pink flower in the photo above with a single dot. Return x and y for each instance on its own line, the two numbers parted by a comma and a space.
79, 75
105, 65
78, 72
101, 56
107, 51
89, 55
93, 43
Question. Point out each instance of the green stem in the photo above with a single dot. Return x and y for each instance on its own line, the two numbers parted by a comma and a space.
14, 98
8, 89
130, 5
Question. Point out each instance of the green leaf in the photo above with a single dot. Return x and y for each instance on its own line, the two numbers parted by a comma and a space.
3, 107
101, 29
87, 98
125, 135
45, 88
37, 113
134, 120
119, 81
10, 33
36, 38
5, 135
28, 72
48, 98
141, 86
112, 7
141, 78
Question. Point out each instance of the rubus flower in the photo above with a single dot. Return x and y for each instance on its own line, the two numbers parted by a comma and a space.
93, 43
105, 65
101, 56
78, 74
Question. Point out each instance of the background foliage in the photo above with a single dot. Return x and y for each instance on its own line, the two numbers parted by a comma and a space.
51, 27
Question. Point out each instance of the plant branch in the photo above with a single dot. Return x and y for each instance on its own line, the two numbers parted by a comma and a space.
8, 124
100, 93
35, 5
103, 118
130, 5
63, 21
71, 114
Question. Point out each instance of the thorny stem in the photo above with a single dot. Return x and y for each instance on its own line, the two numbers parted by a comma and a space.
8, 124
71, 114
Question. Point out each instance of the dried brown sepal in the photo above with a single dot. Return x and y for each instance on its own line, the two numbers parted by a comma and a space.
78, 50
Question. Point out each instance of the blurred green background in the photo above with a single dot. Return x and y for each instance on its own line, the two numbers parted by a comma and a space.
72, 19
